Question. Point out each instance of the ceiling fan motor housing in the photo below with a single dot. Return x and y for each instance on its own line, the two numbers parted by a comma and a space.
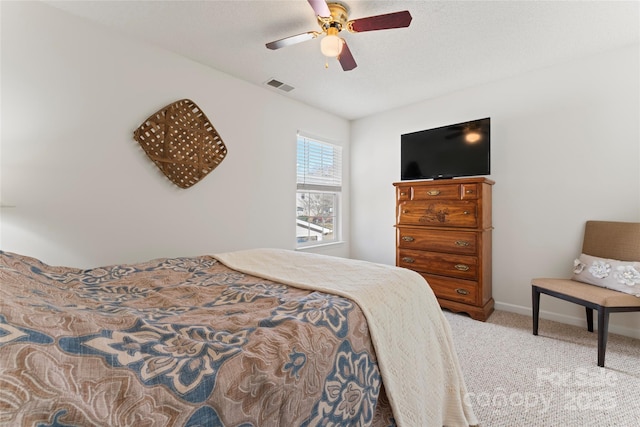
338, 19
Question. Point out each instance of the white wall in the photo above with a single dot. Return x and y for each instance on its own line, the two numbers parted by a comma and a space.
565, 149
85, 192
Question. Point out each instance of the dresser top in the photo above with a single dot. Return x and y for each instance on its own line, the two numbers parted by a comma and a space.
474, 180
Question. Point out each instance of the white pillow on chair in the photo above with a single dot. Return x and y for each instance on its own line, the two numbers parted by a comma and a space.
622, 276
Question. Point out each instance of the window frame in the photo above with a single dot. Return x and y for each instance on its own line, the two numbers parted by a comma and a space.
314, 184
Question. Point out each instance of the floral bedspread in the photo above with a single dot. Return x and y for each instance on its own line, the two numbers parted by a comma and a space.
179, 342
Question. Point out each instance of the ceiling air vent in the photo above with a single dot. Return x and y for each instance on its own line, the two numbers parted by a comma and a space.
279, 85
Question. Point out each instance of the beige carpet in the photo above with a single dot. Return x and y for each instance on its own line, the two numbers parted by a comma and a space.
517, 379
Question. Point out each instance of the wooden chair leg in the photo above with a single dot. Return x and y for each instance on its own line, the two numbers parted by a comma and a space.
590, 319
535, 307
603, 326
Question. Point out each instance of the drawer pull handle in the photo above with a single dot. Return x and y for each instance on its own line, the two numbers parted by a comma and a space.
462, 291
408, 260
408, 238
405, 211
466, 212
469, 191
433, 192
461, 267
403, 194
462, 243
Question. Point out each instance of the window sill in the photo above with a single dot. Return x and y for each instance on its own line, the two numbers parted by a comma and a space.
320, 245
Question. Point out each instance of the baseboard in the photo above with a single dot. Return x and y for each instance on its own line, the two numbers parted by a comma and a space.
569, 320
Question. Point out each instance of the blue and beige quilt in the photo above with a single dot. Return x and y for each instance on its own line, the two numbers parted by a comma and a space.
179, 342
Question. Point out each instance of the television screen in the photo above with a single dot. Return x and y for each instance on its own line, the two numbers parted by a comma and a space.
462, 149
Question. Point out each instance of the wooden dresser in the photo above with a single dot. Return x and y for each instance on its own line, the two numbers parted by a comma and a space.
443, 231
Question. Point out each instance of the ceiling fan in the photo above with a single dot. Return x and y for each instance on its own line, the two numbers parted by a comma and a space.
333, 18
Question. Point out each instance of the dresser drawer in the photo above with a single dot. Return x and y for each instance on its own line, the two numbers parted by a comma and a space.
469, 191
462, 266
459, 242
403, 193
465, 291
436, 192
446, 213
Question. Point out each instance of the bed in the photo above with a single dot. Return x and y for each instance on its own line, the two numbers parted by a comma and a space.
262, 337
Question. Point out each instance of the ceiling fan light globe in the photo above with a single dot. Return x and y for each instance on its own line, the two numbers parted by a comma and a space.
331, 45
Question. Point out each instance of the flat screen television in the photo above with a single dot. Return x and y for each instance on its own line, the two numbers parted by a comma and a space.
461, 149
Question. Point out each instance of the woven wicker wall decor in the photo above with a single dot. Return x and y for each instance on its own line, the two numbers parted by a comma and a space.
182, 142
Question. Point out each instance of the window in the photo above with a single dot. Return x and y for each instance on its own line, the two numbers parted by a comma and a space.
319, 187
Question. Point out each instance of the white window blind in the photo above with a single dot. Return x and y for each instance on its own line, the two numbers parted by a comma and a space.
319, 165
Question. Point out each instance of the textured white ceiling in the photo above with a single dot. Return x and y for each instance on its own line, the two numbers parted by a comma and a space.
449, 46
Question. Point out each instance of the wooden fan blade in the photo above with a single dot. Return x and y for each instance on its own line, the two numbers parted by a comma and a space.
346, 58
320, 8
380, 22
288, 41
